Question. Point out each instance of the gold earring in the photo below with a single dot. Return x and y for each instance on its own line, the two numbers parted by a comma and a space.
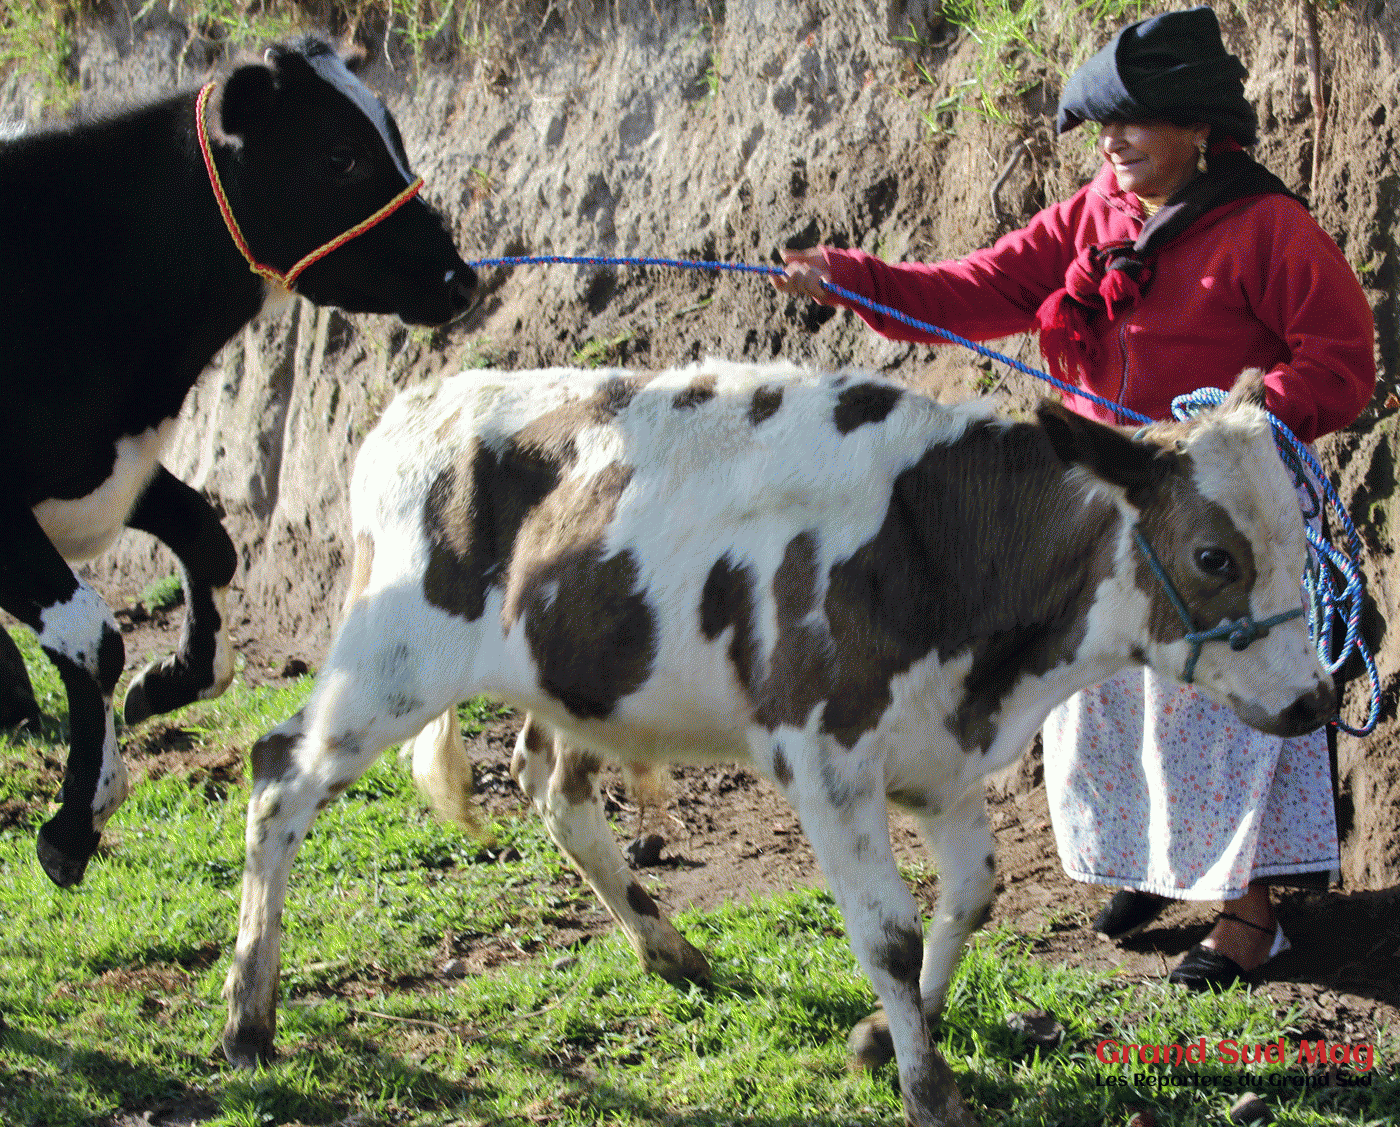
1200, 156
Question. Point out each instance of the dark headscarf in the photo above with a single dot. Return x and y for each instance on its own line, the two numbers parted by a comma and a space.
1173, 68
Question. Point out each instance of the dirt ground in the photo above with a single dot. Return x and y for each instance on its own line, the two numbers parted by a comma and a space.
728, 835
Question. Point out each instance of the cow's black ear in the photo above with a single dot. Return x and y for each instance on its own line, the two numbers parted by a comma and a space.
250, 97
1130, 464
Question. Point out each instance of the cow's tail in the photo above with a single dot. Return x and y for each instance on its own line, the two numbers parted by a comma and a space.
444, 773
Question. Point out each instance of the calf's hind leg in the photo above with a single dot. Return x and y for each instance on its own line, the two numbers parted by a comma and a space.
562, 782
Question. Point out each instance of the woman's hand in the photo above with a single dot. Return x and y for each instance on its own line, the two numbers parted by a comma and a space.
806, 270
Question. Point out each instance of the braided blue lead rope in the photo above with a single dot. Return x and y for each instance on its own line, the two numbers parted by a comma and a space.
1325, 604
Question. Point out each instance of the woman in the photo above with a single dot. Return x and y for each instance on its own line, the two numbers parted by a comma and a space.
1179, 265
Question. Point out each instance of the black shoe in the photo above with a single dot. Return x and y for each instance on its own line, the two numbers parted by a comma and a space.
1205, 968
1128, 913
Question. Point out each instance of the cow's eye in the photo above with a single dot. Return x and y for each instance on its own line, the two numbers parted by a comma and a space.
1217, 563
342, 162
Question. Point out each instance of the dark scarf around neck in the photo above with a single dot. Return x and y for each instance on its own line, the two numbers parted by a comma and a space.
1111, 278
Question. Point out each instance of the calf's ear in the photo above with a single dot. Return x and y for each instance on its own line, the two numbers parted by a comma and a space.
250, 98
1134, 466
1249, 390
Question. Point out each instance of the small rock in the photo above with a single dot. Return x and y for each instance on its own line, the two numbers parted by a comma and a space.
454, 968
1249, 1108
564, 962
1039, 1027
645, 851
295, 667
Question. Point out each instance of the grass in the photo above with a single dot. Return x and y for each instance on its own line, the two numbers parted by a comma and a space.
1018, 44
110, 992
39, 37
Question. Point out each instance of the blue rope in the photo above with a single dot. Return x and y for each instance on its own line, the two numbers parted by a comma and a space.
1326, 563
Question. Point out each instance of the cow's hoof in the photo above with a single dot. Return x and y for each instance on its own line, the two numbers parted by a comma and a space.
138, 704
870, 1044
684, 964
63, 869
248, 1048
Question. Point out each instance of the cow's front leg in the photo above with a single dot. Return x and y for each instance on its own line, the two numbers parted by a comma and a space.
563, 785
960, 839
202, 666
79, 635
839, 797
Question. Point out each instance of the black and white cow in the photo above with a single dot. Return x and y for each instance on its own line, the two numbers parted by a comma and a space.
121, 281
871, 597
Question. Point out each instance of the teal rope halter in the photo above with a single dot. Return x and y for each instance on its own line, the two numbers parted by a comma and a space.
1239, 632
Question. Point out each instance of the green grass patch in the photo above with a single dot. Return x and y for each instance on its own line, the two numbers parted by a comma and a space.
111, 992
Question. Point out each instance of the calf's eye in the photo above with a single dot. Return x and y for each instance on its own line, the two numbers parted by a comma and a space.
1218, 563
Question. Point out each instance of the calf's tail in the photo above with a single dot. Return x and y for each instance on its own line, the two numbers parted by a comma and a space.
444, 773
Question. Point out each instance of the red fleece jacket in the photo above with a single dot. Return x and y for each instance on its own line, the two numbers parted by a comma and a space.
1252, 284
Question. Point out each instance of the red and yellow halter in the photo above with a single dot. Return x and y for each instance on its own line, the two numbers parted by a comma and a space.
289, 279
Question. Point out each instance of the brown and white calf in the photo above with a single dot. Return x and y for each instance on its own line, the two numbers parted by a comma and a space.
871, 597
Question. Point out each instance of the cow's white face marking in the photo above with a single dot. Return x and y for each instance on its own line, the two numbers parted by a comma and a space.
86, 527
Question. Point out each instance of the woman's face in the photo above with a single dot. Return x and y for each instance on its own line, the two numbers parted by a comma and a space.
1152, 159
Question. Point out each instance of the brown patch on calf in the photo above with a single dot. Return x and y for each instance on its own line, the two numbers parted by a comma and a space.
272, 755
472, 514
864, 403
640, 901
701, 390
727, 600
580, 771
952, 571
1177, 523
799, 666
475, 508
590, 630
765, 403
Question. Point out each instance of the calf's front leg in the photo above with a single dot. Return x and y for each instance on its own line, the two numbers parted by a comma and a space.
839, 797
79, 635
202, 666
562, 782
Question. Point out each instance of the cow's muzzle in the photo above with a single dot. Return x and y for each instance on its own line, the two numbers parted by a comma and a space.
461, 289
1310, 711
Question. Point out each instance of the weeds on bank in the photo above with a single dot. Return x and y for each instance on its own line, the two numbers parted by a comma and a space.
1018, 42
38, 38
110, 992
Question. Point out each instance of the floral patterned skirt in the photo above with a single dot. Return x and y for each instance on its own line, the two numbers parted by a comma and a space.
1154, 786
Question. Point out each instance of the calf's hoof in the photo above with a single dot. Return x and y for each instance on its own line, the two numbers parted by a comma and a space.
64, 867
248, 1047
691, 966
870, 1044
